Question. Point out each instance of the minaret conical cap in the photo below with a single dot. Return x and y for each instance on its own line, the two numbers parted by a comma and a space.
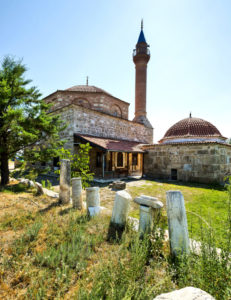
141, 38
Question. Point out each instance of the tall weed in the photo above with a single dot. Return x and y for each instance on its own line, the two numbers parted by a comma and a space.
128, 273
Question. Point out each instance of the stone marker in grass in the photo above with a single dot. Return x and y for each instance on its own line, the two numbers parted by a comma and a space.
149, 212
77, 200
93, 201
92, 196
120, 212
65, 181
177, 223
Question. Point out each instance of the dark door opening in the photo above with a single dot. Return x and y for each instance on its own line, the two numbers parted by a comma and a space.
174, 174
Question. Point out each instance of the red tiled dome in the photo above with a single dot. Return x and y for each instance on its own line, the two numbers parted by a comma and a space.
86, 88
192, 127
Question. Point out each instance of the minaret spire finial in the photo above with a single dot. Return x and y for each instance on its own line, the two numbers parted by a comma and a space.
87, 81
142, 24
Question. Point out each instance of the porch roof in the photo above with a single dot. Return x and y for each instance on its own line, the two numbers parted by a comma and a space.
112, 144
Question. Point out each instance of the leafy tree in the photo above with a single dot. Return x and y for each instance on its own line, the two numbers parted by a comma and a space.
24, 122
80, 163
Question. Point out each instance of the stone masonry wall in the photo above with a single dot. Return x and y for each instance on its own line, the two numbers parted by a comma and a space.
86, 121
205, 163
96, 101
102, 125
67, 115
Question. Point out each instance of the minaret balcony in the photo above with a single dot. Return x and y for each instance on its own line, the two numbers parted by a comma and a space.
141, 50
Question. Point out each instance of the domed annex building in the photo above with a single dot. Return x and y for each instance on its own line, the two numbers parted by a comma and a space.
191, 150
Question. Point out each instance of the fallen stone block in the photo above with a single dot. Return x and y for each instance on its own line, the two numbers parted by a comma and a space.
149, 201
187, 293
39, 188
50, 193
119, 185
31, 184
25, 181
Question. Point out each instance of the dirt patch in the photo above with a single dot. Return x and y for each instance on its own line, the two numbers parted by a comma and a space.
138, 183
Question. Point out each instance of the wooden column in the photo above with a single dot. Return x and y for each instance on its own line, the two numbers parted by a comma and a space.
103, 164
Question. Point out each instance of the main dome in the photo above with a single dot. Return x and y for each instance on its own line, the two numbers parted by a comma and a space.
86, 88
192, 129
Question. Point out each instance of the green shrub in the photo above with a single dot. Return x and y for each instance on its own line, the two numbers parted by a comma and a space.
43, 182
80, 163
46, 184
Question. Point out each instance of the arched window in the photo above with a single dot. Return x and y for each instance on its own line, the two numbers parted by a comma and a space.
83, 102
120, 161
116, 111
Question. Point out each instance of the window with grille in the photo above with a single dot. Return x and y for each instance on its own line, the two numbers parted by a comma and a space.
120, 162
98, 160
135, 159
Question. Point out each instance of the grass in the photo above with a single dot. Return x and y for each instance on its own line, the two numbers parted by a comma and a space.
52, 252
206, 203
14, 188
16, 222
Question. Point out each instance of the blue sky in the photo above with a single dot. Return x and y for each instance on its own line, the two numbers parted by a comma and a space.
62, 42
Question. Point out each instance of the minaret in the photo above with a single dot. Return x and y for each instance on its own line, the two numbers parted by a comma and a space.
141, 56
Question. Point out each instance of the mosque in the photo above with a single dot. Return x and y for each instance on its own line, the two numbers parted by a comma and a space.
191, 150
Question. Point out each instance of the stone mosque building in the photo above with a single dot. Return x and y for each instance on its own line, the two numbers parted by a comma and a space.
191, 150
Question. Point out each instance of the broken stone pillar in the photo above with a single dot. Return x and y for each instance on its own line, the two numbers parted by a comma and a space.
149, 212
146, 219
65, 181
77, 200
177, 223
121, 208
92, 196
119, 214
93, 201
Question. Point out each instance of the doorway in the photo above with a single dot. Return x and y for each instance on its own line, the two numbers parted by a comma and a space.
174, 174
